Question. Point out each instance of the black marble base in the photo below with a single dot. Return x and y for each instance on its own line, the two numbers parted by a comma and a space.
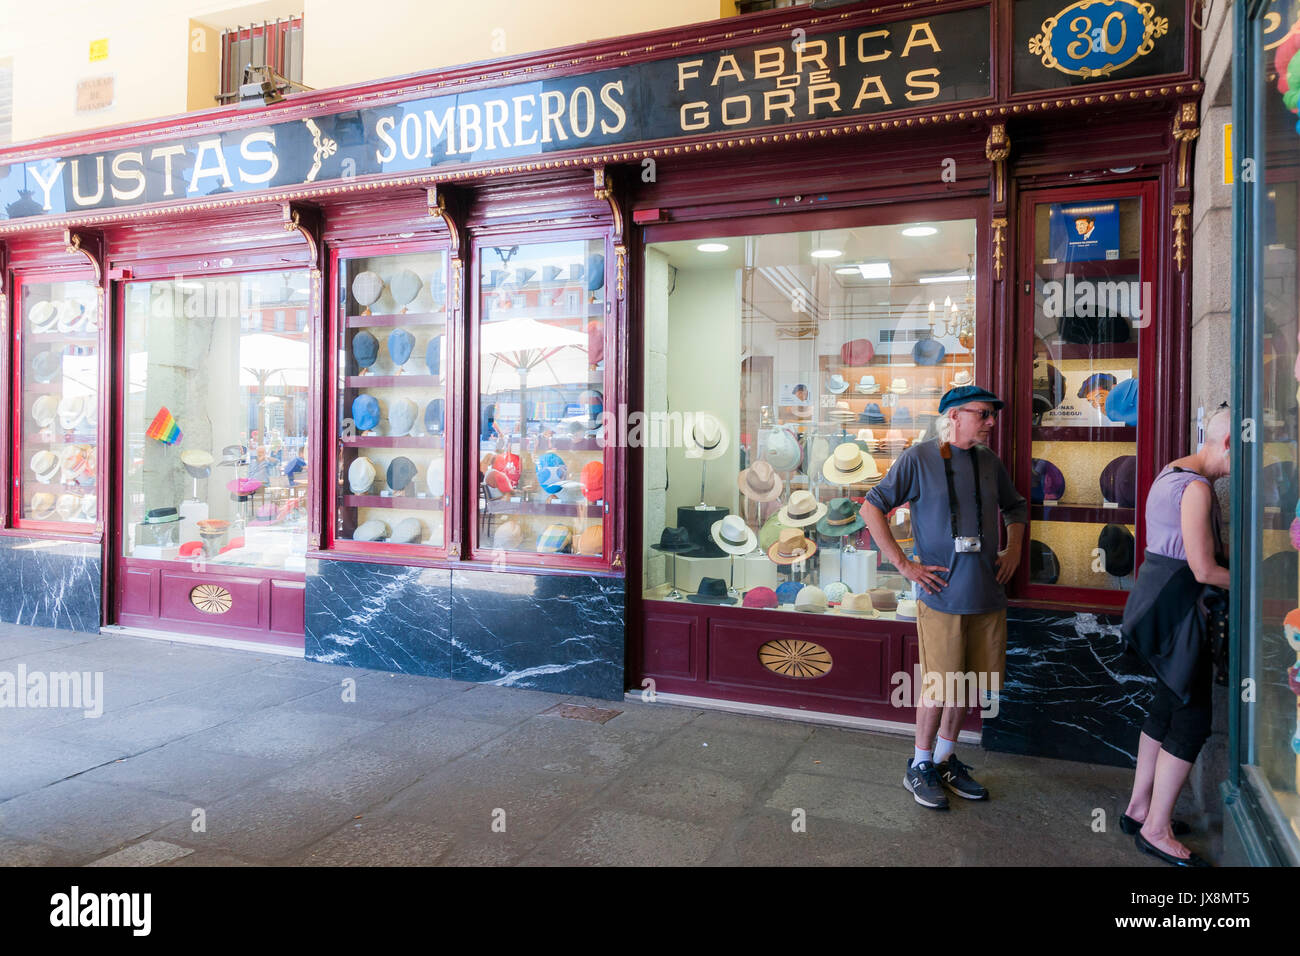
51, 583
558, 633
1070, 691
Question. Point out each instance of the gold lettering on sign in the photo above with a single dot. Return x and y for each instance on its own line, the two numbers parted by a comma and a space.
921, 35
683, 75
922, 85
863, 56
873, 87
167, 154
614, 107
699, 116
267, 155
776, 67
121, 172
48, 184
218, 168
77, 197
770, 104
805, 54
723, 69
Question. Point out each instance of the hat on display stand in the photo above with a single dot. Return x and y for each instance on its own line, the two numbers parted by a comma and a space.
711, 591
867, 386
404, 286
706, 440
836, 384
372, 530
849, 466
842, 518
962, 378
792, 546
788, 591
782, 449
760, 482
801, 511
367, 287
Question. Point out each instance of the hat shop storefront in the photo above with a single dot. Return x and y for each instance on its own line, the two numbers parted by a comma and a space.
571, 371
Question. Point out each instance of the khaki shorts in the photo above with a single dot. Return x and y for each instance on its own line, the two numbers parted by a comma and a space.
960, 654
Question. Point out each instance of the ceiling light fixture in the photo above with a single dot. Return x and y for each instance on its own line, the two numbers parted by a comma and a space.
875, 270
827, 253
712, 247
916, 232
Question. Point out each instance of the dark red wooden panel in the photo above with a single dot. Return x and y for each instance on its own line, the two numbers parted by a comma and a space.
670, 645
288, 607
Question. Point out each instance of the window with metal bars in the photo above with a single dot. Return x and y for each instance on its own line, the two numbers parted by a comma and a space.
273, 44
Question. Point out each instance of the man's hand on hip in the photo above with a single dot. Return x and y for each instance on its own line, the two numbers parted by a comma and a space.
924, 575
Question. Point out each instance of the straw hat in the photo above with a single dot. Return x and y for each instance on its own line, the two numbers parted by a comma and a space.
811, 599
45, 464
858, 605
791, 546
44, 409
733, 536
43, 504
706, 438
802, 510
759, 482
848, 466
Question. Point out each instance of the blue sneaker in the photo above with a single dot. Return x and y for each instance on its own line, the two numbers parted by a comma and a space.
923, 783
956, 777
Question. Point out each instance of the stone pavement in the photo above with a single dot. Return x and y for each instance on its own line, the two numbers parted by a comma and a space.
206, 756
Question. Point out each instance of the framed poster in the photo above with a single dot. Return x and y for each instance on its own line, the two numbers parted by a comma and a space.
1084, 232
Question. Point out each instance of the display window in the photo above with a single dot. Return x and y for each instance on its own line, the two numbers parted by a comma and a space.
216, 377
540, 441
786, 373
1089, 306
56, 404
392, 422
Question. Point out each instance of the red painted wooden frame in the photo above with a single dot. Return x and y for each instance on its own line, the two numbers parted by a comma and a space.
383, 552
611, 533
1154, 404
16, 424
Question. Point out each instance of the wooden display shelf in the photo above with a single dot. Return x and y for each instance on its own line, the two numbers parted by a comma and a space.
395, 320
1084, 514
586, 510
393, 381
394, 501
1090, 269
1103, 350
395, 441
1083, 433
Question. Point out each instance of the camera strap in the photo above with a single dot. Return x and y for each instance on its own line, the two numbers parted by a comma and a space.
945, 452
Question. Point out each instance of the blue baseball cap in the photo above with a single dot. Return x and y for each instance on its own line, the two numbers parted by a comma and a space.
965, 394
1121, 403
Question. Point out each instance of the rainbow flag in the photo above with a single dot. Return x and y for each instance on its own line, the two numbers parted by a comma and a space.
164, 428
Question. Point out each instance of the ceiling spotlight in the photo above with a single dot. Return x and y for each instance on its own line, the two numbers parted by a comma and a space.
712, 247
916, 232
827, 253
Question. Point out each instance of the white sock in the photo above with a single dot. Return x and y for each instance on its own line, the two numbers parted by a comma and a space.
943, 748
921, 756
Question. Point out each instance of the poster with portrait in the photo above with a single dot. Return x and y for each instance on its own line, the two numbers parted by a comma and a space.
1084, 231
1081, 395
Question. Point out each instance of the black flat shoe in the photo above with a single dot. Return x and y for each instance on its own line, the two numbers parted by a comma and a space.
1131, 826
1146, 846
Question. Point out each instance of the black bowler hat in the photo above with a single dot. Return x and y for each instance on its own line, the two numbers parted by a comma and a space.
674, 541
1118, 546
1044, 568
711, 591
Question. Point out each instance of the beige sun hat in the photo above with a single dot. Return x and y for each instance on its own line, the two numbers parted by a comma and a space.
792, 545
706, 438
849, 466
858, 605
759, 482
801, 510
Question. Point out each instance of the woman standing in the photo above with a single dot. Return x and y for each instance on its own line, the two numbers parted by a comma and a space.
1163, 623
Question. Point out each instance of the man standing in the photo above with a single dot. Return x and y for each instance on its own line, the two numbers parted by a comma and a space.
957, 488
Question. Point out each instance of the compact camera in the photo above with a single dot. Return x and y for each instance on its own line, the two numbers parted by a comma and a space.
966, 545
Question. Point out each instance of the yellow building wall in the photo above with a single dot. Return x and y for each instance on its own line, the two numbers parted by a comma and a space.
164, 55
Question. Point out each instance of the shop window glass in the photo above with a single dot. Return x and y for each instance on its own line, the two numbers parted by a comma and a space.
1090, 308
1271, 655
785, 375
540, 463
393, 365
58, 432
216, 420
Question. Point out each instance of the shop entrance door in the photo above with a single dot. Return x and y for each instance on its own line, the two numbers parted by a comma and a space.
211, 450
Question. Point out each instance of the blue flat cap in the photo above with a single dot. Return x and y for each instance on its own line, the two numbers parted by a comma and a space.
964, 394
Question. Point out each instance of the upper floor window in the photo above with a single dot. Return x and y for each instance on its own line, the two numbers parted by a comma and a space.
272, 45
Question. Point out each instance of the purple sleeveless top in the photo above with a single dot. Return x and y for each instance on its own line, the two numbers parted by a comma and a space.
1165, 515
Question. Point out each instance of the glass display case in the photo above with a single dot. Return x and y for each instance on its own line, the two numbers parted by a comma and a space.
216, 373
540, 439
392, 343
1091, 302
56, 430
786, 373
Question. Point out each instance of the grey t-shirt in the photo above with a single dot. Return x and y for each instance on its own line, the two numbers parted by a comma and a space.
918, 477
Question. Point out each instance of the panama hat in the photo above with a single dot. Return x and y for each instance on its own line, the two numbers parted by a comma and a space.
401, 416
842, 517
906, 610
361, 476
42, 316
836, 384
404, 286
43, 505
72, 409
782, 452
400, 345
706, 438
365, 349
372, 530
900, 386
711, 591
555, 539
733, 536
408, 531
46, 364
367, 287
858, 605
962, 378
68, 506
45, 465
44, 409
759, 482
72, 316
883, 599
801, 510
811, 599
867, 385
848, 465
791, 546
591, 542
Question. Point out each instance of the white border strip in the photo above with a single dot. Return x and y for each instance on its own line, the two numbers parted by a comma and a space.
204, 641
789, 713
